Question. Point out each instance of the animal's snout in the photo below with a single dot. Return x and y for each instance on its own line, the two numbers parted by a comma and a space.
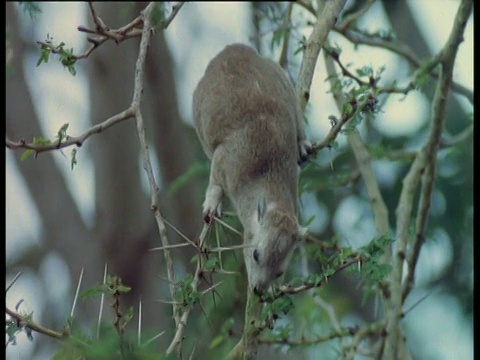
257, 291
260, 288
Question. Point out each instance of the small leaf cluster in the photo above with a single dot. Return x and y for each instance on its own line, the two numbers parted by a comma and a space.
112, 286
185, 293
110, 345
66, 56
40, 141
281, 305
372, 270
13, 327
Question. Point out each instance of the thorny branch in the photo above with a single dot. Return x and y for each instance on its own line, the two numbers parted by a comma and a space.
356, 332
362, 156
338, 125
147, 165
104, 34
182, 323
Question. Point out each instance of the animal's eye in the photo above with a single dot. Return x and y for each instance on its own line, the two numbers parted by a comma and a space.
256, 255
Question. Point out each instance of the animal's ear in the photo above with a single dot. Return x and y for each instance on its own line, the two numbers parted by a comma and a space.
261, 208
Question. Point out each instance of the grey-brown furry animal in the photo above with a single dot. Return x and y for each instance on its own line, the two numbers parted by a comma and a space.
250, 125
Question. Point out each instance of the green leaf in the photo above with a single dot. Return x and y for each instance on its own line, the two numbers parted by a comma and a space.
277, 38
128, 315
92, 292
62, 132
27, 154
123, 288
211, 263
309, 220
43, 56
71, 70
216, 341
333, 120
364, 71
73, 162
41, 141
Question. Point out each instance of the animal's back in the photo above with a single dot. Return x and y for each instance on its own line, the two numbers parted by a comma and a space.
246, 99
248, 121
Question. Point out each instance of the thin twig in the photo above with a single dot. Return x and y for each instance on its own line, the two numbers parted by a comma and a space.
69, 141
147, 165
351, 18
23, 320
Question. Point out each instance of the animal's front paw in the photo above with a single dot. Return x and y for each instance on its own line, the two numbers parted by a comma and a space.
304, 150
212, 206
209, 214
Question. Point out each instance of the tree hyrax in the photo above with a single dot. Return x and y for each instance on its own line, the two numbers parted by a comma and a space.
250, 125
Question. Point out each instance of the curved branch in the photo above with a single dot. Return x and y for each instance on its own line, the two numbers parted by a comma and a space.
147, 165
105, 34
72, 140
23, 320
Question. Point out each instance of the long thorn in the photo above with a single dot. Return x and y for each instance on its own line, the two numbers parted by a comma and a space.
14, 280
76, 293
179, 232
139, 335
153, 338
228, 226
102, 299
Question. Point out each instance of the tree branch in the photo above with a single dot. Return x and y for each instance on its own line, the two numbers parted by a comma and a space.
72, 140
425, 158
125, 32
326, 19
147, 165
104, 34
359, 38
24, 320
182, 323
399, 48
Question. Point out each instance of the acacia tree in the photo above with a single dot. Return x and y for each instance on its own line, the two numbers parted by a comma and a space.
199, 264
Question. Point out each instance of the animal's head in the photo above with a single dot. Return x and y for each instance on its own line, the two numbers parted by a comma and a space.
270, 243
